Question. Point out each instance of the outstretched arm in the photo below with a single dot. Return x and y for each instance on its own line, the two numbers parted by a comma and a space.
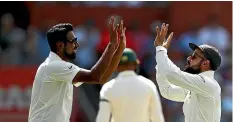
97, 71
117, 55
168, 90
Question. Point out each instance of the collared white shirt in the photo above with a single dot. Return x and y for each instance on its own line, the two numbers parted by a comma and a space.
200, 93
129, 98
52, 92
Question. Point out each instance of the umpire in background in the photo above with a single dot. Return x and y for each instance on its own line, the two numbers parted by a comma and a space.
129, 97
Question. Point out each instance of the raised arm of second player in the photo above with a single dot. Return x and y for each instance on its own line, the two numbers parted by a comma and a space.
117, 55
168, 90
98, 70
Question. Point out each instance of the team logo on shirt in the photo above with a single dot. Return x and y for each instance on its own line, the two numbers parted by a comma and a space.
70, 67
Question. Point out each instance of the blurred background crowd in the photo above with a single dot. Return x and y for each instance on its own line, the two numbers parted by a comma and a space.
23, 44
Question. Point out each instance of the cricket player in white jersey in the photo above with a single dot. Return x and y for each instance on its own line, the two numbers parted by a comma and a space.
52, 92
129, 97
195, 86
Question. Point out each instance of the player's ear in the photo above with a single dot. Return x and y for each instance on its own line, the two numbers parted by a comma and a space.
206, 63
59, 45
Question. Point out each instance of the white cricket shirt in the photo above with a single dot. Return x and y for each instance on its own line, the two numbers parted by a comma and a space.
129, 98
200, 93
52, 92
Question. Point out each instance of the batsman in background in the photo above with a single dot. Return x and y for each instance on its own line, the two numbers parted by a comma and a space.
195, 86
129, 97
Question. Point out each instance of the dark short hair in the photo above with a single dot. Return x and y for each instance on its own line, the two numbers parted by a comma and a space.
58, 33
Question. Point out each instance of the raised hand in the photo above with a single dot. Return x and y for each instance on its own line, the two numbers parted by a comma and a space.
113, 32
161, 35
122, 30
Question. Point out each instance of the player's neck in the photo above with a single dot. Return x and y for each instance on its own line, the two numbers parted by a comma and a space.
122, 70
64, 58
205, 69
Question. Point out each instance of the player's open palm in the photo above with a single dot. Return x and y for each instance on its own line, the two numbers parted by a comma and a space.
113, 32
161, 35
122, 30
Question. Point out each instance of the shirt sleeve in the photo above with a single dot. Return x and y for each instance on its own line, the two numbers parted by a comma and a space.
192, 82
105, 109
62, 71
155, 109
168, 90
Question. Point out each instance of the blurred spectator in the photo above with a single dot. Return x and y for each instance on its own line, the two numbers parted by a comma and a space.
1, 97
94, 3
227, 103
215, 34
140, 38
148, 63
88, 37
31, 56
113, 4
190, 36
134, 4
160, 4
42, 43
12, 39
174, 111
